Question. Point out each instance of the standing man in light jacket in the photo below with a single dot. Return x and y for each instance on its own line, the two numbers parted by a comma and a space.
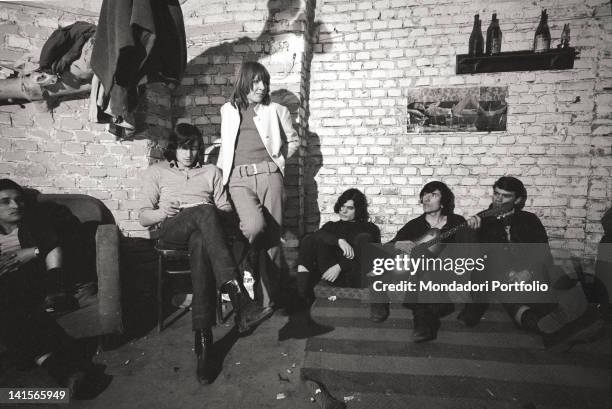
257, 137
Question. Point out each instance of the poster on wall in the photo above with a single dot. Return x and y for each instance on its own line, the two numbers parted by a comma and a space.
453, 109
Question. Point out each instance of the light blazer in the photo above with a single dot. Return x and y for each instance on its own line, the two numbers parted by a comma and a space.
275, 128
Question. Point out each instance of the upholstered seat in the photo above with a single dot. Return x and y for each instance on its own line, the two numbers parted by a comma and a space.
90, 239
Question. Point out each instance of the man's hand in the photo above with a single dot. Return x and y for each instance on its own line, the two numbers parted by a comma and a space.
405, 246
518, 276
346, 248
332, 273
171, 210
474, 222
9, 262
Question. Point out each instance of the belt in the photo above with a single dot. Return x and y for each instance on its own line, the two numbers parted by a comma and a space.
255, 169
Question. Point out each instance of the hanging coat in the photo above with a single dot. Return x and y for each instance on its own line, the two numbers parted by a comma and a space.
137, 41
64, 46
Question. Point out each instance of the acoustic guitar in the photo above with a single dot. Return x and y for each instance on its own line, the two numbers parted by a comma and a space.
432, 239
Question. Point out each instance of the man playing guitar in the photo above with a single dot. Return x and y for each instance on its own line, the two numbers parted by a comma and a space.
512, 264
438, 218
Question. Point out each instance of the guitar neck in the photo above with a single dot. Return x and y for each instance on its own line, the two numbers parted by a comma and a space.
444, 235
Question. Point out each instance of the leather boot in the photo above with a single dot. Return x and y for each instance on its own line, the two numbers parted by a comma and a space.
58, 300
472, 314
247, 313
379, 312
68, 372
426, 323
203, 350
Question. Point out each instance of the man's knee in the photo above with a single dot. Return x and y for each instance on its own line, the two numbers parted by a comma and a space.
206, 211
307, 241
196, 242
252, 228
363, 238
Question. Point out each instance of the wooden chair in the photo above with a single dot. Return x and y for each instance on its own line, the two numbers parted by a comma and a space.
165, 271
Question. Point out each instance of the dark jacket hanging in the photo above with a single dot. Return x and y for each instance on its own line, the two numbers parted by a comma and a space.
64, 46
137, 41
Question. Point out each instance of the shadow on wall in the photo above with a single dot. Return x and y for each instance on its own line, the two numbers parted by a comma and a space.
210, 78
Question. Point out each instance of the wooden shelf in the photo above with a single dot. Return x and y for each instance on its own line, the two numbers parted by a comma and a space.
557, 59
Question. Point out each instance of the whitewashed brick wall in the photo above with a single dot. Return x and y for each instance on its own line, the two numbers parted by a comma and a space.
354, 64
370, 53
60, 150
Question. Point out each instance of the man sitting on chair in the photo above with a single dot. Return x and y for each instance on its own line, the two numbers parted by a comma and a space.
30, 256
181, 196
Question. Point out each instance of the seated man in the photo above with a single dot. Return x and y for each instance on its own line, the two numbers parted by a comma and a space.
438, 204
30, 254
333, 252
182, 197
512, 262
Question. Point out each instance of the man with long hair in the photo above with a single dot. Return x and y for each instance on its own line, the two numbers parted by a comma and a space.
332, 253
181, 196
257, 137
438, 203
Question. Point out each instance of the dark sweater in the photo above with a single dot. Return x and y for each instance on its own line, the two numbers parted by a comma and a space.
332, 231
249, 146
530, 248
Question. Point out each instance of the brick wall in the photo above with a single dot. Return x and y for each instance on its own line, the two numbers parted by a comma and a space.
59, 150
345, 69
370, 53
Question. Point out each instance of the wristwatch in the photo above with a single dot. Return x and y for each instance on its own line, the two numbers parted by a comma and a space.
36, 252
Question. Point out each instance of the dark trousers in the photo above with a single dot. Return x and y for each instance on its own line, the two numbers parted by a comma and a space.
210, 259
318, 256
25, 328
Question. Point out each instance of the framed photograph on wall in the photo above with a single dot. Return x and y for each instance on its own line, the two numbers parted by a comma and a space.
466, 109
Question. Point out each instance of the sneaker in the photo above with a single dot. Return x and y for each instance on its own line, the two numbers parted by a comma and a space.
182, 300
249, 282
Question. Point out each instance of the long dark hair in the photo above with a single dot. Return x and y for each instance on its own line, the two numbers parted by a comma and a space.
448, 198
512, 184
183, 135
359, 200
8, 184
250, 72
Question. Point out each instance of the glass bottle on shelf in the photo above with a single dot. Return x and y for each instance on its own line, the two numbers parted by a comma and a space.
565, 36
476, 44
541, 41
494, 37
